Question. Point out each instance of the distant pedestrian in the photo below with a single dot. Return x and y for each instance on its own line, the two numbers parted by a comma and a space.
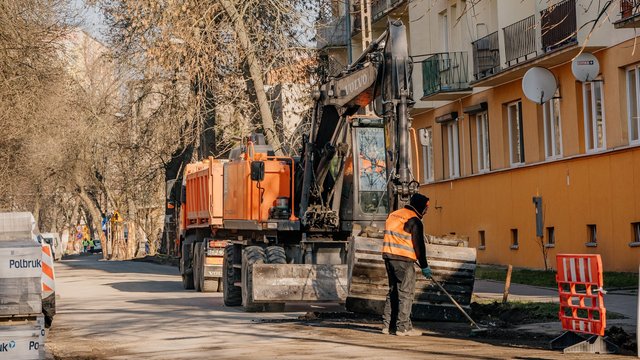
403, 246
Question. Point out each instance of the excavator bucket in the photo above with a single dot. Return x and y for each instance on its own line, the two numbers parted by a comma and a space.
454, 267
276, 283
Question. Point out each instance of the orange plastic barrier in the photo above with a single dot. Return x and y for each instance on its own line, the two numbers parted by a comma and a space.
580, 284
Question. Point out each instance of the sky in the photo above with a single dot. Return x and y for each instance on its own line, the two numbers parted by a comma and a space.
92, 19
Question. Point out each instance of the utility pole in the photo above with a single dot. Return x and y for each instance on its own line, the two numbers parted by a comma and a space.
365, 20
347, 14
367, 35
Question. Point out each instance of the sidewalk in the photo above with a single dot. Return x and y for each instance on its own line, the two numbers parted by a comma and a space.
625, 304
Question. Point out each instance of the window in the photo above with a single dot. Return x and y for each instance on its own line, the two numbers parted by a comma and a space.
633, 103
483, 244
592, 235
551, 237
516, 141
635, 234
514, 239
372, 170
426, 139
444, 31
453, 149
594, 126
482, 131
552, 130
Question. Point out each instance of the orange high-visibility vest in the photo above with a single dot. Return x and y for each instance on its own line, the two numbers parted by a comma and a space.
396, 240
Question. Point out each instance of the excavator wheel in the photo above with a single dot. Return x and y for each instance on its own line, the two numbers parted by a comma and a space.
250, 256
275, 255
231, 294
187, 279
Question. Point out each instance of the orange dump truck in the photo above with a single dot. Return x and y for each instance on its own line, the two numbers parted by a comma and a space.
238, 201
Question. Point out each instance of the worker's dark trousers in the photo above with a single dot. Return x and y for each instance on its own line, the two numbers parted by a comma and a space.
402, 284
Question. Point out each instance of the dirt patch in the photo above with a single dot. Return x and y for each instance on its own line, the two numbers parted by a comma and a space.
625, 341
62, 344
511, 314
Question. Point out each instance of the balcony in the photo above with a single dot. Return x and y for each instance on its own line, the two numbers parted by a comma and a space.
629, 14
520, 41
486, 56
525, 46
332, 34
380, 8
558, 26
445, 76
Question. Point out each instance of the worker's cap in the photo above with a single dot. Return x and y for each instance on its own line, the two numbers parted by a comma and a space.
419, 202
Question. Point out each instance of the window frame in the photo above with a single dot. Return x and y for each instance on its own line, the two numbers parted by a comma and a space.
635, 68
590, 122
552, 149
453, 149
521, 160
483, 147
428, 172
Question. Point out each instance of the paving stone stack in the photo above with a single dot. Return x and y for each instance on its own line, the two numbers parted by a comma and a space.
22, 327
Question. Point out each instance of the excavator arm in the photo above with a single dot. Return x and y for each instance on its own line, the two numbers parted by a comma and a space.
381, 77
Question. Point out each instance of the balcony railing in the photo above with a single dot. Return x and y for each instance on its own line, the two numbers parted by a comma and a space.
520, 40
332, 34
629, 14
380, 7
486, 56
558, 25
629, 8
445, 72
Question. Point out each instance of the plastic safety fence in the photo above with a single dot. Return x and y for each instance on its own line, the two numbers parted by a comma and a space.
579, 279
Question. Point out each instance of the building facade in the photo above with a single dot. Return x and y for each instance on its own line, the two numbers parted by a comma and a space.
526, 181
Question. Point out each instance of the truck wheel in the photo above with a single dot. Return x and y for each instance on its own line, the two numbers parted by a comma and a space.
250, 256
275, 255
187, 279
197, 267
231, 294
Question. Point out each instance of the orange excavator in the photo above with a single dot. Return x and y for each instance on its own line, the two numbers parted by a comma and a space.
268, 230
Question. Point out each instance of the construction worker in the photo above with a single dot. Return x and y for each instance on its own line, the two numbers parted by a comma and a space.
403, 246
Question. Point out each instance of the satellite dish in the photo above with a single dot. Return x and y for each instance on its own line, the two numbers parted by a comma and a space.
539, 85
424, 137
585, 67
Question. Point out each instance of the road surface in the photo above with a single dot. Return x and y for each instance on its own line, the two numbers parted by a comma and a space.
138, 310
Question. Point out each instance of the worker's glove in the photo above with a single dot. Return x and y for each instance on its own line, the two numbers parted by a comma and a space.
426, 272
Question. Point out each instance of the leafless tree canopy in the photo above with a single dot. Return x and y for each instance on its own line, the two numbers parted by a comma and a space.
90, 128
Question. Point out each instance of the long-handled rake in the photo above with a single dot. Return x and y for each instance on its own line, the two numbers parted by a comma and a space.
478, 329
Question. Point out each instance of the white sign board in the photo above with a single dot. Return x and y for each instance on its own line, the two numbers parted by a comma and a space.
20, 262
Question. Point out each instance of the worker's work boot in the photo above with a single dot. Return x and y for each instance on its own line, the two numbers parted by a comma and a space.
386, 331
412, 332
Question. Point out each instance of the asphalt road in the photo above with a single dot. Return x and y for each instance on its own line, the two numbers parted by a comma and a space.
138, 310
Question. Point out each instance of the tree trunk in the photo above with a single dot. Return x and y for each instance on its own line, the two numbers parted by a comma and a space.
256, 74
96, 218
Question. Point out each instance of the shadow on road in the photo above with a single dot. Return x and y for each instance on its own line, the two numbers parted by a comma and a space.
95, 262
148, 286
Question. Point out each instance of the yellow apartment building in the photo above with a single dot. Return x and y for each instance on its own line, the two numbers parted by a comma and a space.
514, 176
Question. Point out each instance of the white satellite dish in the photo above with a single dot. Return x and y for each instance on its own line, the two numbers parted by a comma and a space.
539, 85
424, 137
585, 67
